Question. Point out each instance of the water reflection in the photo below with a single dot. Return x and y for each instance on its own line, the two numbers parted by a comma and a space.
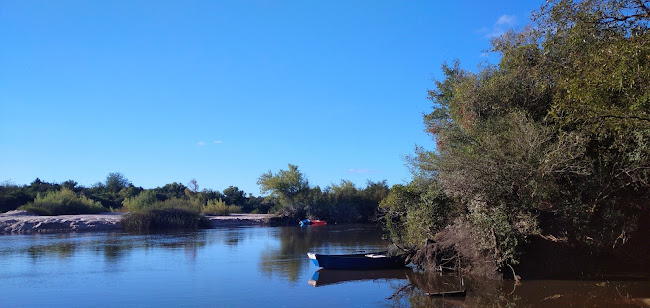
288, 259
410, 289
112, 246
325, 277
483, 292
225, 267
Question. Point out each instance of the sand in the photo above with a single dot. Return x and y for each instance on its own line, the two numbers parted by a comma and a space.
24, 222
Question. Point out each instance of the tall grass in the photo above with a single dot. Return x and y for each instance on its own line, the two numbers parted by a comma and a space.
139, 202
220, 208
164, 218
62, 202
147, 213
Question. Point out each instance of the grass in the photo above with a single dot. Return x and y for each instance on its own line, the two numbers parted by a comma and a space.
220, 208
169, 214
164, 218
63, 202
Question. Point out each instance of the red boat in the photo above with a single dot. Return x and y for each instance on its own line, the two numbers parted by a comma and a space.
317, 222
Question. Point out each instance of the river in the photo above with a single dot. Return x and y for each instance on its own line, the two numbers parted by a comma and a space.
252, 267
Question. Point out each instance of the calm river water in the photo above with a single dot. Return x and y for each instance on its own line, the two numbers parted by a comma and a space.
251, 267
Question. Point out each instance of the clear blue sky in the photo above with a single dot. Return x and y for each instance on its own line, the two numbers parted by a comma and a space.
223, 91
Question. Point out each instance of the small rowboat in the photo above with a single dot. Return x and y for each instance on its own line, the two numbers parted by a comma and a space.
362, 261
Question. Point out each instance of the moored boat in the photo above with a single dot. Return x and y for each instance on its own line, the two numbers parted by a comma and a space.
362, 261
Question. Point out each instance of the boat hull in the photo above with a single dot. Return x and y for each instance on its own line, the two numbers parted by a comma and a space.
358, 261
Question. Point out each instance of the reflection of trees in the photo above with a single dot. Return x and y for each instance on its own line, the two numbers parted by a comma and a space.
61, 250
114, 246
482, 292
290, 258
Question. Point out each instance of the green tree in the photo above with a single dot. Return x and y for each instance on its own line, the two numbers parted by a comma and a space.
554, 140
234, 196
173, 190
289, 187
116, 181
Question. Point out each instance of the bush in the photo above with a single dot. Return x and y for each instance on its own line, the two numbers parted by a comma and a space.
220, 208
164, 218
140, 202
169, 214
63, 202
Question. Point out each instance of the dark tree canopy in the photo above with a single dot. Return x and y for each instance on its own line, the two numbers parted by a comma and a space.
552, 142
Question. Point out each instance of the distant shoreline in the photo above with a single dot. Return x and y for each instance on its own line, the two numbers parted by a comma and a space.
22, 222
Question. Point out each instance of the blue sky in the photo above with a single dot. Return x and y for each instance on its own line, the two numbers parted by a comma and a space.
223, 91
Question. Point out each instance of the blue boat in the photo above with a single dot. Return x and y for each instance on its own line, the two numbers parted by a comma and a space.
362, 261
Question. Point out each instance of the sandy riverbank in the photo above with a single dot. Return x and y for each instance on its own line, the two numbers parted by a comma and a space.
24, 222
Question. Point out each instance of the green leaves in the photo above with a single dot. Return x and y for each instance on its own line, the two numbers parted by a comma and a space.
61, 202
559, 129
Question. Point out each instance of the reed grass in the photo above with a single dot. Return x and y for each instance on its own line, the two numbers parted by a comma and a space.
63, 202
220, 208
168, 214
164, 218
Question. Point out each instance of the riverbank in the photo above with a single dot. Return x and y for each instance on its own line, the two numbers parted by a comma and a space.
25, 222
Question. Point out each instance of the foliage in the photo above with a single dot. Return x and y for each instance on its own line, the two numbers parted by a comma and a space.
147, 213
12, 196
416, 212
140, 202
116, 181
233, 195
337, 203
342, 202
289, 187
164, 218
554, 140
220, 208
173, 190
63, 202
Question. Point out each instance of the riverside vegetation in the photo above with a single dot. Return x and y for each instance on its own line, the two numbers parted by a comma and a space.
179, 206
541, 161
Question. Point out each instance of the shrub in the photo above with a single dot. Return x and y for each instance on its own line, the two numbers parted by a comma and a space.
62, 202
219, 207
141, 201
164, 218
169, 214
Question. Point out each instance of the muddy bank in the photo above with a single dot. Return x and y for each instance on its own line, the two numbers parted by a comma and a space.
24, 222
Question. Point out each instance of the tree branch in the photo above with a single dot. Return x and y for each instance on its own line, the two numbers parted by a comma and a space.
626, 117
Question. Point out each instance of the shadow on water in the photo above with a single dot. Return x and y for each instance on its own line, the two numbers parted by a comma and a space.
281, 254
483, 292
411, 288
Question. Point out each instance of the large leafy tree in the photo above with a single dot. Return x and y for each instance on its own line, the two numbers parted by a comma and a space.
553, 141
289, 187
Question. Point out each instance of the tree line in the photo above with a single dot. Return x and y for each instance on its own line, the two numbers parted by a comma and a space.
289, 195
116, 189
